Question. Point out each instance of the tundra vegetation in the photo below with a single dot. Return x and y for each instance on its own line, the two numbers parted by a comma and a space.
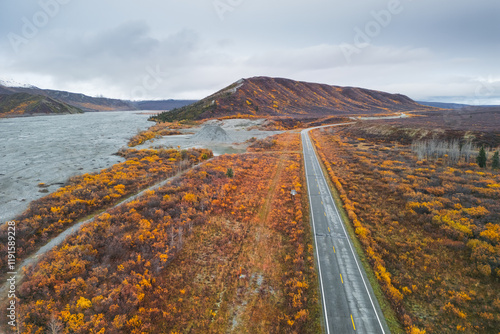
88, 193
156, 131
222, 248
23, 104
428, 219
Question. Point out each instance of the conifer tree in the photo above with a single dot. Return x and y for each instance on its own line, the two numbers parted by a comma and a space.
495, 162
481, 158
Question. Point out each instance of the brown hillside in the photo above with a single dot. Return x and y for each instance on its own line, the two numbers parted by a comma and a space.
263, 96
22, 104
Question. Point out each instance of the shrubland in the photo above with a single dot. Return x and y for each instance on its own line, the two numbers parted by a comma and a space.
209, 252
284, 142
429, 224
89, 193
156, 131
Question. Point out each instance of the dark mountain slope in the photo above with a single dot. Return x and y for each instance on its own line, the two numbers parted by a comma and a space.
89, 103
20, 104
263, 96
84, 102
162, 104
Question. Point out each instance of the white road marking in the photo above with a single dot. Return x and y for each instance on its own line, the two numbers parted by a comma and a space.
317, 254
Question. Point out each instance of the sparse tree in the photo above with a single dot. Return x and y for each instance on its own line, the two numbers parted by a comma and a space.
54, 325
454, 151
481, 158
229, 172
419, 148
495, 161
467, 148
431, 149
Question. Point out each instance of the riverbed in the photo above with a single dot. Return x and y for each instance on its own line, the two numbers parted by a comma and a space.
51, 149
39, 154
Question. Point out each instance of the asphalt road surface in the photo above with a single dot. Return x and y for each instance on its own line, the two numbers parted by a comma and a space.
348, 302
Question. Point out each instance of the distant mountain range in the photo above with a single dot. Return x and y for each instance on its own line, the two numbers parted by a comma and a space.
84, 102
444, 105
72, 100
161, 104
23, 104
264, 96
258, 96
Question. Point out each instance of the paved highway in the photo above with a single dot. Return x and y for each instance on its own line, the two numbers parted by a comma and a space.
348, 302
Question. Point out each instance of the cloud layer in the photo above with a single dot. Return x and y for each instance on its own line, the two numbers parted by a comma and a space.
179, 49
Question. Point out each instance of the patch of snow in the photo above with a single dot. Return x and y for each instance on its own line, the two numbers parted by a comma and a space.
239, 83
15, 84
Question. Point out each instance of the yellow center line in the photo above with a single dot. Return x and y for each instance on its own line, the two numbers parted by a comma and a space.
353, 323
341, 279
328, 229
325, 214
334, 249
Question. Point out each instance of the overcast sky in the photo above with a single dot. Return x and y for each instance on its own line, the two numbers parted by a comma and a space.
440, 50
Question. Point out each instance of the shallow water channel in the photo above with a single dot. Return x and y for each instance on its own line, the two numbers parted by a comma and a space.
50, 149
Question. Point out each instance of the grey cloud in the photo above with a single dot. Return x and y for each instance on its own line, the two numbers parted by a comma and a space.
119, 56
109, 47
326, 56
126, 41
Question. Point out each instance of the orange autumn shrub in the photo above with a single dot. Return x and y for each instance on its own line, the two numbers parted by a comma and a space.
156, 131
52, 214
174, 260
428, 229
